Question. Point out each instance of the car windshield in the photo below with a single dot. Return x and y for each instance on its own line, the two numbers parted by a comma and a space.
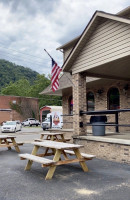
10, 123
47, 120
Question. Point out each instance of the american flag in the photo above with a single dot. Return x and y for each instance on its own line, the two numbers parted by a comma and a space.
55, 76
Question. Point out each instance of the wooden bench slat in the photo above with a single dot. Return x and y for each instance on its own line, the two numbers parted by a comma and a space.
36, 159
85, 155
20, 143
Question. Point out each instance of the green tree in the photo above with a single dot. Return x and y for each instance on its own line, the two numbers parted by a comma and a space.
23, 88
39, 85
19, 88
10, 72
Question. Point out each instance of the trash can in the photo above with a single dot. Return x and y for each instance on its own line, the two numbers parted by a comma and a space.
98, 120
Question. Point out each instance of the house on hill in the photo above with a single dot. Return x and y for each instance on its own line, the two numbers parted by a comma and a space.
97, 77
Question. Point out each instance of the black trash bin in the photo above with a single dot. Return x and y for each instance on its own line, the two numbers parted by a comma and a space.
98, 120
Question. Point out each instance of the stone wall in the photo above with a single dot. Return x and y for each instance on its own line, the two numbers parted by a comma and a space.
106, 150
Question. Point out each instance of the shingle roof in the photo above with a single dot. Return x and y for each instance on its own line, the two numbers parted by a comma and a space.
64, 82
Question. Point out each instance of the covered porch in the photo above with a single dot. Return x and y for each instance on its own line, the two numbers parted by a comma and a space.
98, 67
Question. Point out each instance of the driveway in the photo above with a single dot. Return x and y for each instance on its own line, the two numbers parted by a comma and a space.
106, 180
27, 134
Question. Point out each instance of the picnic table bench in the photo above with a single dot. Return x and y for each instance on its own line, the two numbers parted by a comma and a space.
58, 149
9, 141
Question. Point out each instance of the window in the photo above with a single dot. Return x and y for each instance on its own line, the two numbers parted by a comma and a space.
113, 99
90, 101
70, 105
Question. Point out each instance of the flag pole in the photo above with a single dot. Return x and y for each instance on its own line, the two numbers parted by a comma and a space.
48, 54
61, 68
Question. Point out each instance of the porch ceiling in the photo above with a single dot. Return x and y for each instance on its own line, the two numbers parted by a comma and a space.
118, 70
99, 83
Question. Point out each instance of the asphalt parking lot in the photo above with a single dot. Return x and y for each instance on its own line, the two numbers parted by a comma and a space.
105, 180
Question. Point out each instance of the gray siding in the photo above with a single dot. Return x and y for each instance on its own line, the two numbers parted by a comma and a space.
67, 52
110, 41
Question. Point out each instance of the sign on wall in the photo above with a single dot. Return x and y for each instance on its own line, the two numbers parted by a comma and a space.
57, 119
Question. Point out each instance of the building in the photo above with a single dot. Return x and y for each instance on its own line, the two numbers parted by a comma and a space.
18, 108
97, 77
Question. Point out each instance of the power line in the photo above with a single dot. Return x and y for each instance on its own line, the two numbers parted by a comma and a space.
21, 57
20, 52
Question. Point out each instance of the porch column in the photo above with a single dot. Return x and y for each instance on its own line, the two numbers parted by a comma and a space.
79, 103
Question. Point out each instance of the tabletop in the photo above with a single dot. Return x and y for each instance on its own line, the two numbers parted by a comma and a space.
8, 141
57, 145
48, 133
6, 137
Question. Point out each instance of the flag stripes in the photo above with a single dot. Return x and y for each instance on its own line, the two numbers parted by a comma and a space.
55, 76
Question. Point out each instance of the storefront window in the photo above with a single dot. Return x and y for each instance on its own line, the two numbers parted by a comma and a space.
90, 101
71, 105
113, 99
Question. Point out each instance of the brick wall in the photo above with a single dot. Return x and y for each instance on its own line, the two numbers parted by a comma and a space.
79, 103
22, 101
101, 104
66, 119
5, 116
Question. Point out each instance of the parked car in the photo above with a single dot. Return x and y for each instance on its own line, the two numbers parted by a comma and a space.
46, 124
11, 126
31, 122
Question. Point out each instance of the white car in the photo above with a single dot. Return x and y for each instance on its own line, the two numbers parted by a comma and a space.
11, 126
30, 122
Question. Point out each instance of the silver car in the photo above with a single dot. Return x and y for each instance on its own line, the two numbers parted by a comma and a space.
46, 124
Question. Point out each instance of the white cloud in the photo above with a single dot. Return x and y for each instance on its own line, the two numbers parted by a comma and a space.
29, 28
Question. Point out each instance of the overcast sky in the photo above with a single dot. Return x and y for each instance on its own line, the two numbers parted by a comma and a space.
29, 26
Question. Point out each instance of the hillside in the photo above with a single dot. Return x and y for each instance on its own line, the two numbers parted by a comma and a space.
12, 72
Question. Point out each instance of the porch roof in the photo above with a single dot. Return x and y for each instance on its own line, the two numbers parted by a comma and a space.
65, 83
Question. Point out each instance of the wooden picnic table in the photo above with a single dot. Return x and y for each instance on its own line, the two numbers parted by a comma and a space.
8, 141
53, 136
57, 148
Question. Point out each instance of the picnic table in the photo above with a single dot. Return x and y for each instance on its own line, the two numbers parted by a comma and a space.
53, 136
57, 150
8, 141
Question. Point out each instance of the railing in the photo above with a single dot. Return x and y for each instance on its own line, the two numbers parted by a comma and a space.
100, 112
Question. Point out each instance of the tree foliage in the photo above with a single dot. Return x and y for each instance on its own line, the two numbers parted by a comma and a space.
23, 88
19, 88
10, 72
20, 81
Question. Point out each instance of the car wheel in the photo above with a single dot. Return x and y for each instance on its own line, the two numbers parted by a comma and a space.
36, 124
30, 125
15, 130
